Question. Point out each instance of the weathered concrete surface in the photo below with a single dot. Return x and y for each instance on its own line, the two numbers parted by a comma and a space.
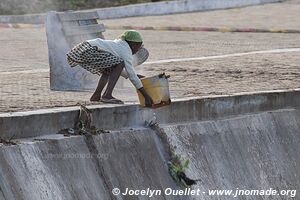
83, 168
245, 148
45, 178
259, 151
1, 195
43, 122
24, 19
171, 7
146, 9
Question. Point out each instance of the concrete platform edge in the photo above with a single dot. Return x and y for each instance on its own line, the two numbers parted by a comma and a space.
50, 121
145, 9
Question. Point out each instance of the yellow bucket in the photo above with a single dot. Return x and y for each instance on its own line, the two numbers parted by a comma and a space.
157, 87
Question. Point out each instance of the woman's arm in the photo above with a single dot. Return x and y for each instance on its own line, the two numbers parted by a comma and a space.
133, 77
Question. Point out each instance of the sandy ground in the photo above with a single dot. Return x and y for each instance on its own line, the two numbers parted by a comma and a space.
26, 49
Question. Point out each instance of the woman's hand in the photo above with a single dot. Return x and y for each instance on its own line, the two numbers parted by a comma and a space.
148, 99
140, 76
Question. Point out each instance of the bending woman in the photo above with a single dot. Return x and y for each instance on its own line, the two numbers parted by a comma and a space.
107, 58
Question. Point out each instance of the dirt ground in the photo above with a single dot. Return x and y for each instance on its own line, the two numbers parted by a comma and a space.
26, 49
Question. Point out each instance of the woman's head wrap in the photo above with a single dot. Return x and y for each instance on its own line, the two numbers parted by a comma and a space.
131, 36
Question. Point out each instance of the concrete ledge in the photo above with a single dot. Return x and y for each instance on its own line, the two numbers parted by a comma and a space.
147, 9
222, 153
50, 121
23, 19
172, 7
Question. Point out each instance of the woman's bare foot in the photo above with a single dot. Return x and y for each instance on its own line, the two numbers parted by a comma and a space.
95, 98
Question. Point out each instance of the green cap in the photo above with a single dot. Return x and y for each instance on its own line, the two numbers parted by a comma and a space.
131, 36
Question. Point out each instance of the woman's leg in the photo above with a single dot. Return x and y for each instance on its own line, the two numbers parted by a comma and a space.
112, 80
101, 84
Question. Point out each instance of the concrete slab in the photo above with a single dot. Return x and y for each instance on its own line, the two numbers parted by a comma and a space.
84, 167
1, 195
257, 151
252, 151
159, 8
36, 123
48, 178
171, 7
248, 140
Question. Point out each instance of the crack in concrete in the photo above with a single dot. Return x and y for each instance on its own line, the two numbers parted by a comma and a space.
94, 151
2, 195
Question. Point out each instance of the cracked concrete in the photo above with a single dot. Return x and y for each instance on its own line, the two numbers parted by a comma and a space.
253, 150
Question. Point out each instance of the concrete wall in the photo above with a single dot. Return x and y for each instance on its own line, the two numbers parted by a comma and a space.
1, 195
171, 7
80, 168
246, 142
23, 19
160, 8
259, 151
35, 123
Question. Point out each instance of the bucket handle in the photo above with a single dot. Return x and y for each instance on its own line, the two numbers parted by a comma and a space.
163, 75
